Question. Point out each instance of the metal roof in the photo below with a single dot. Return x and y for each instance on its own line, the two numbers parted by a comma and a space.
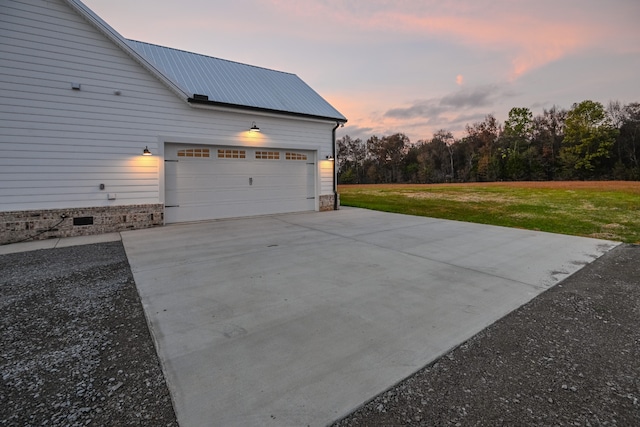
235, 84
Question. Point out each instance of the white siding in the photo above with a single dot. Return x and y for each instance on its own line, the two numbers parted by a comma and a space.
57, 145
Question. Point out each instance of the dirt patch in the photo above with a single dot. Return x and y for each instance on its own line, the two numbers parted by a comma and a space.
571, 356
75, 347
460, 197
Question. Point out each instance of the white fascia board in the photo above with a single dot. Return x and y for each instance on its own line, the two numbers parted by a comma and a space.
120, 41
257, 112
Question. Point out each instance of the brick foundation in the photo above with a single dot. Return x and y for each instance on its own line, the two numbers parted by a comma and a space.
326, 202
16, 226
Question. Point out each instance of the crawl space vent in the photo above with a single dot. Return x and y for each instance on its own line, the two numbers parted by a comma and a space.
83, 220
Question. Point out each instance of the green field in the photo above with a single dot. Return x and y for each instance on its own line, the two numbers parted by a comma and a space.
605, 210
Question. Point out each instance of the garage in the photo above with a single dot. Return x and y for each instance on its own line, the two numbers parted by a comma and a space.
165, 136
205, 182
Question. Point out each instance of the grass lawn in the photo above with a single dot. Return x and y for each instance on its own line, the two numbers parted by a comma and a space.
604, 210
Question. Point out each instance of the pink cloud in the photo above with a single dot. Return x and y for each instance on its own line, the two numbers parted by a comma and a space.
526, 34
527, 41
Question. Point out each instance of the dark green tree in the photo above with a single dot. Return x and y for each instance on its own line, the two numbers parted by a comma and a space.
589, 139
351, 155
482, 138
519, 127
548, 133
629, 141
444, 139
388, 153
516, 155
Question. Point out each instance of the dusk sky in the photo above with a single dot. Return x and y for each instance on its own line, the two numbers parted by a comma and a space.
412, 66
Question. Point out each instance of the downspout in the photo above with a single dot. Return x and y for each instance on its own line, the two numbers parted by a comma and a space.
335, 174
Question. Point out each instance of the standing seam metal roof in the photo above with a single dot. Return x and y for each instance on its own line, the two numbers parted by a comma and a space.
233, 83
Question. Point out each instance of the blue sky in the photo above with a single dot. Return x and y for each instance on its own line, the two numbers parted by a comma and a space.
412, 66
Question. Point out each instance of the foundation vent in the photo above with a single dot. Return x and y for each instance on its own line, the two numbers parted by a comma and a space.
83, 220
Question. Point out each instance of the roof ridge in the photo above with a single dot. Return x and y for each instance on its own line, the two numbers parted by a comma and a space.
211, 57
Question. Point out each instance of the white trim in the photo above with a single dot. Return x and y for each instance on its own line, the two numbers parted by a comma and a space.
274, 114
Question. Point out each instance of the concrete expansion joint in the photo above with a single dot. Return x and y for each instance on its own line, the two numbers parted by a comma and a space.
355, 238
352, 237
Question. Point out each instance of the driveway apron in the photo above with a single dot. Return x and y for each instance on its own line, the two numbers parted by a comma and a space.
297, 319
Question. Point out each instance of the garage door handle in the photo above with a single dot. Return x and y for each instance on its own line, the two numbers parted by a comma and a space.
171, 206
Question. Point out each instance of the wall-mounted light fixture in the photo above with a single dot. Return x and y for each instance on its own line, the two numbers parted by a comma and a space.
254, 127
146, 151
330, 157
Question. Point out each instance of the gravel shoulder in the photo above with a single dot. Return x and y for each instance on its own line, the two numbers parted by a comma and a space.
569, 357
75, 346
75, 350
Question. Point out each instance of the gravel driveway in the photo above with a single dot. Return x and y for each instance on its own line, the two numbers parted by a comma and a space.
75, 347
75, 350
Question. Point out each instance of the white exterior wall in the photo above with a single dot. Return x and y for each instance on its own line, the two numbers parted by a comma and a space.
57, 145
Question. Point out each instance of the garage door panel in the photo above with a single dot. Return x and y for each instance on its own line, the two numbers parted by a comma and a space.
204, 197
287, 192
211, 188
240, 208
211, 181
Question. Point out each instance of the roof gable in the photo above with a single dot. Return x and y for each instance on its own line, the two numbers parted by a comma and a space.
225, 83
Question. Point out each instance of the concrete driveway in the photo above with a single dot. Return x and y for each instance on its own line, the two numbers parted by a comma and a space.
297, 319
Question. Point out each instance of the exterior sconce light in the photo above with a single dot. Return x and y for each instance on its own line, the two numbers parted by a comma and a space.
146, 151
254, 128
330, 157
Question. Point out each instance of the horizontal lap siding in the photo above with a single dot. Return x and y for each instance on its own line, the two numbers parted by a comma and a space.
57, 145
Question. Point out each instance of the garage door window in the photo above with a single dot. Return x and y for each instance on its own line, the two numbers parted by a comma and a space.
232, 154
268, 155
194, 152
295, 156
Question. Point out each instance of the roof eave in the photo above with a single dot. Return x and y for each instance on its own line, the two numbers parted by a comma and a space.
340, 119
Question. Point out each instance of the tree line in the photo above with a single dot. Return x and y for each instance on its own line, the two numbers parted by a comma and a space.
587, 142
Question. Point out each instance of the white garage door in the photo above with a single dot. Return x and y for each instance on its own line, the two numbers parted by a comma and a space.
211, 182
